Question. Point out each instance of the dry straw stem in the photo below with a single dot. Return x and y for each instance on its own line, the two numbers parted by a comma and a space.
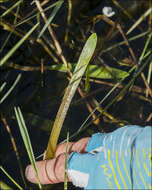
56, 43
15, 149
148, 12
106, 19
68, 19
20, 33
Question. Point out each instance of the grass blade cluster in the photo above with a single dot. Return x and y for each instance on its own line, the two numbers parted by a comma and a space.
11, 8
57, 7
19, 43
26, 140
149, 11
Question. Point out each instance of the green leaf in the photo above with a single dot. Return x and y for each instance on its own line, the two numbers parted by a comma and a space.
26, 140
95, 71
80, 68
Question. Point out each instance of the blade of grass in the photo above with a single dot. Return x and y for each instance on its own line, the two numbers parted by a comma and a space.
130, 82
26, 140
35, 15
123, 42
2, 86
80, 68
149, 76
11, 8
149, 11
147, 53
55, 10
66, 163
85, 125
12, 87
19, 43
145, 48
4, 186
4, 171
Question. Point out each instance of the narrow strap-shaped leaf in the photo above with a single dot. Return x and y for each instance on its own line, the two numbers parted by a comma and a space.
17, 185
80, 68
11, 89
26, 140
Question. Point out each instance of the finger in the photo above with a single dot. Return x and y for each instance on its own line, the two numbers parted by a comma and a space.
80, 145
49, 171
61, 148
42, 168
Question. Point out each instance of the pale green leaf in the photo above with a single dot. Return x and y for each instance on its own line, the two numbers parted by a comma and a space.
80, 68
26, 140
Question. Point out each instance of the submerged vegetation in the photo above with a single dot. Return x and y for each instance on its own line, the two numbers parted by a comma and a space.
69, 53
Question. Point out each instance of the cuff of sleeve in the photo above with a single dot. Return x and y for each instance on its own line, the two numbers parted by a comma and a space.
78, 168
95, 142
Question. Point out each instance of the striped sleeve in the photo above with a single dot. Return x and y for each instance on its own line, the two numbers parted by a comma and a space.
127, 153
118, 160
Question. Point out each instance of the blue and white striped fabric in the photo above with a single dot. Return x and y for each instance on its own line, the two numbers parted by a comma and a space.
118, 160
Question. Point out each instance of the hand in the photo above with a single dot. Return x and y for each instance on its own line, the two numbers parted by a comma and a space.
52, 171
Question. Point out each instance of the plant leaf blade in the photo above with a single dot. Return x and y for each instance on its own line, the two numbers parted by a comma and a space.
80, 68
26, 140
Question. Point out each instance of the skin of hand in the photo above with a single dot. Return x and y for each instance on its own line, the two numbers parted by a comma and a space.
52, 171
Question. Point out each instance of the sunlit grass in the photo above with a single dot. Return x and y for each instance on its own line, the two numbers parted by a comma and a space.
15, 183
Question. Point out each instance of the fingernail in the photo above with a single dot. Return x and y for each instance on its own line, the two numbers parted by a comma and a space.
29, 173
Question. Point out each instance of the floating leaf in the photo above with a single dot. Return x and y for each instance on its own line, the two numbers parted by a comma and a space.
96, 71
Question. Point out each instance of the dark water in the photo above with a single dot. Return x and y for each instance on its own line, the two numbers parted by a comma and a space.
40, 104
